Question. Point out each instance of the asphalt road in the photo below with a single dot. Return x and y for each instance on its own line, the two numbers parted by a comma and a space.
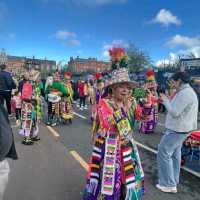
48, 171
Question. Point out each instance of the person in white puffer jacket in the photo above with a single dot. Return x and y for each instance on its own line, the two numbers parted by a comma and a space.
181, 120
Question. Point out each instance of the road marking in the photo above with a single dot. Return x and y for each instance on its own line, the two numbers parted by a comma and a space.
155, 152
81, 116
85, 165
146, 147
55, 133
79, 159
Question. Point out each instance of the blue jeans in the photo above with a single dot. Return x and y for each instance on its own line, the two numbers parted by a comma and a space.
169, 158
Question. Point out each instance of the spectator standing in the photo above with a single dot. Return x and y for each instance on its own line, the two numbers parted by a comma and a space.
18, 106
180, 121
7, 149
21, 83
6, 85
81, 89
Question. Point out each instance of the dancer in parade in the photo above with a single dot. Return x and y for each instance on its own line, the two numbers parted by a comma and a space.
29, 124
149, 104
66, 108
54, 90
115, 170
96, 94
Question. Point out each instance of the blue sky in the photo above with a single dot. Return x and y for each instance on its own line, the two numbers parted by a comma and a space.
58, 29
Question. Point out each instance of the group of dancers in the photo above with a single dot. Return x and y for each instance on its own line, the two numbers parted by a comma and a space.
115, 171
34, 102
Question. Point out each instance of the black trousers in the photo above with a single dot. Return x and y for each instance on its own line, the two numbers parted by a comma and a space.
6, 96
82, 101
18, 113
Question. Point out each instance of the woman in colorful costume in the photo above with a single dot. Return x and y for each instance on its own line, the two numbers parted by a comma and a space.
150, 104
29, 123
54, 90
96, 94
66, 108
115, 170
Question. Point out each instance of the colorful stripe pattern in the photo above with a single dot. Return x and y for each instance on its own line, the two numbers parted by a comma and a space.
95, 167
128, 164
108, 178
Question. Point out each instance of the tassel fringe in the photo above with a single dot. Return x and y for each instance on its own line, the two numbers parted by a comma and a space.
131, 194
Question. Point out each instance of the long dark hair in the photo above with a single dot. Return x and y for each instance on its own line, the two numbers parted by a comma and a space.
183, 76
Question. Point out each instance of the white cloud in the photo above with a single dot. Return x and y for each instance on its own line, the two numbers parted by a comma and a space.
64, 34
166, 18
98, 2
73, 42
190, 46
172, 58
67, 37
162, 62
114, 43
180, 40
195, 51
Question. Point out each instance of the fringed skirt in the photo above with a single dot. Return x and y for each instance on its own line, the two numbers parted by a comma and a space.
66, 110
29, 126
115, 171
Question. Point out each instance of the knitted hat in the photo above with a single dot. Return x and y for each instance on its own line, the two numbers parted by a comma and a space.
119, 72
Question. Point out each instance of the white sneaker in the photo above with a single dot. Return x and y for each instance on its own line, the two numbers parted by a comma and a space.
77, 105
18, 122
167, 189
85, 107
81, 108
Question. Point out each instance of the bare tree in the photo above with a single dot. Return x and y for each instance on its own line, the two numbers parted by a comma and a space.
138, 59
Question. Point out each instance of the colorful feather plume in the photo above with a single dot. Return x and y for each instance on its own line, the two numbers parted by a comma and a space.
150, 74
98, 75
119, 57
67, 75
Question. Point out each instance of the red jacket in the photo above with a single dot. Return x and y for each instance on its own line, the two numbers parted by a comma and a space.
81, 89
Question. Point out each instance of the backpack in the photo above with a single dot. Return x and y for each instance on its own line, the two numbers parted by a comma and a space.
27, 91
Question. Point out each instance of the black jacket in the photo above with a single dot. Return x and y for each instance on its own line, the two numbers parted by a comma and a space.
9, 82
7, 145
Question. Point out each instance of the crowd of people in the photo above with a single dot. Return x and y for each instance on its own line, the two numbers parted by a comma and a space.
117, 105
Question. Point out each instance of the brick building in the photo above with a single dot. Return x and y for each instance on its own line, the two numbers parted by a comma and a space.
18, 65
90, 65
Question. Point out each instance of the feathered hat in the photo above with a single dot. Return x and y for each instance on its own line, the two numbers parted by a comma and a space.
119, 67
